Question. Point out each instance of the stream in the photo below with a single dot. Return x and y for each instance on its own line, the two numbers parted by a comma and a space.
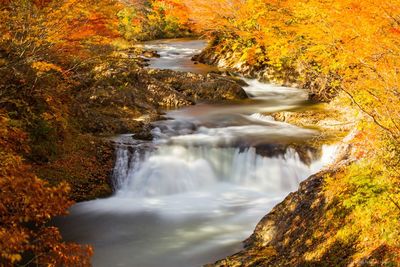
195, 192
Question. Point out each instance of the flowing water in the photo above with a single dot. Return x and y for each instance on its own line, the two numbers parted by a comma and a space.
176, 55
199, 188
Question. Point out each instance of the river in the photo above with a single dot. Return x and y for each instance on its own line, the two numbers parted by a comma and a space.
190, 196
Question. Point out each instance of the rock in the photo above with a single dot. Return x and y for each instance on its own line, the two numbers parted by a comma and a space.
143, 134
299, 76
86, 167
118, 104
196, 58
197, 87
151, 54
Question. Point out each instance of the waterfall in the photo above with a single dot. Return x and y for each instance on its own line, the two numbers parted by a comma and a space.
174, 169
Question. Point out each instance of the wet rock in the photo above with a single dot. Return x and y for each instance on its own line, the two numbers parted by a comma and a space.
143, 133
229, 75
151, 54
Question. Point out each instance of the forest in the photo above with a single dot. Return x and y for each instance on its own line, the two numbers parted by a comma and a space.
57, 58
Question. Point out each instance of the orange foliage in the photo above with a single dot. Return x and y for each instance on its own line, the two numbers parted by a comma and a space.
152, 19
96, 25
177, 9
34, 27
26, 206
351, 45
35, 37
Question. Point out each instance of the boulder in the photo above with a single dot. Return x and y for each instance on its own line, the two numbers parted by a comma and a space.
151, 54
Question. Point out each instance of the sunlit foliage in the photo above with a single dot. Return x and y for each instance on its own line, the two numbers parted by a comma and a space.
363, 205
154, 19
349, 46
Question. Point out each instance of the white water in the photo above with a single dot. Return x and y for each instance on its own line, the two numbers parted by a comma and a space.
175, 169
199, 188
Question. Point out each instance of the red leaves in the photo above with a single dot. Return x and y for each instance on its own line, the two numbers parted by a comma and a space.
355, 7
395, 30
95, 26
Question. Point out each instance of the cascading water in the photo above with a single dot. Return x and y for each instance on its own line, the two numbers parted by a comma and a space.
191, 195
174, 169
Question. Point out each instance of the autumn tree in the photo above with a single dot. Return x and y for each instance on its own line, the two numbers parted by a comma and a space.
26, 206
41, 45
152, 19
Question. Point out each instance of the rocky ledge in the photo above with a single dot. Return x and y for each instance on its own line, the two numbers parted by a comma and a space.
127, 101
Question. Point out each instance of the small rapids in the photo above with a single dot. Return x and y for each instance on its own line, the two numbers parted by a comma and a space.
190, 196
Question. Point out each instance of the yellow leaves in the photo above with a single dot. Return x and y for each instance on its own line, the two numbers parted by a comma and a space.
153, 19
47, 116
32, 39
6, 36
15, 258
42, 67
